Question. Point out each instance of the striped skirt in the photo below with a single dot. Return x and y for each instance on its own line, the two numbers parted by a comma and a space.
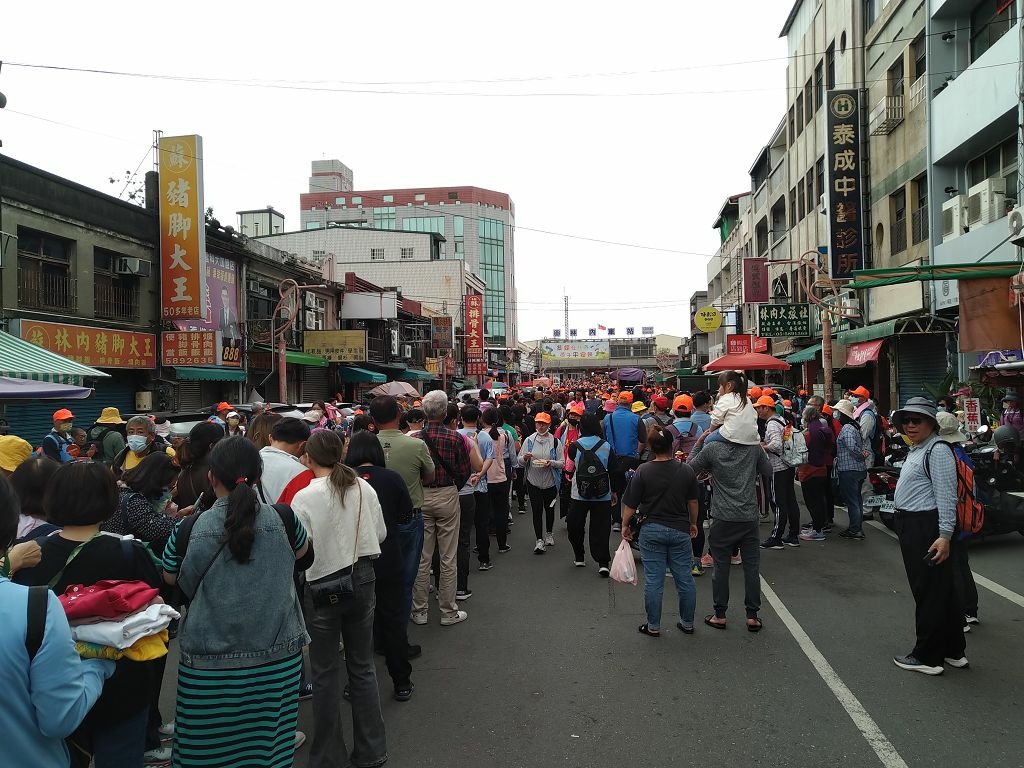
236, 718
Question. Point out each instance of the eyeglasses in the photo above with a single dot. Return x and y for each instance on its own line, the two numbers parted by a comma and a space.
913, 420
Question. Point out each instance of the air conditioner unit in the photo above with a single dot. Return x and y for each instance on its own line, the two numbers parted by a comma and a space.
253, 286
407, 351
1015, 219
137, 267
985, 202
823, 203
954, 217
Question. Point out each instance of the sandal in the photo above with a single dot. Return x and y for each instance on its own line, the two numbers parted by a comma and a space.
715, 624
645, 629
757, 626
686, 630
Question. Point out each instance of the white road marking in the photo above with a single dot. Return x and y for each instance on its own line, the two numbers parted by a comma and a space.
980, 580
885, 750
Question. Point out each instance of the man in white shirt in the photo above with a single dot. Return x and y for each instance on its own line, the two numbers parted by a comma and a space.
281, 465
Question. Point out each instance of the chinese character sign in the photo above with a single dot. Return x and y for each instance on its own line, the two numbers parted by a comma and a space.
182, 228
843, 173
189, 348
783, 320
584, 351
221, 313
336, 346
441, 332
755, 281
98, 347
474, 326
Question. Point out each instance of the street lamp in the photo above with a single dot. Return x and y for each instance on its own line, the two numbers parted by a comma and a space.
288, 289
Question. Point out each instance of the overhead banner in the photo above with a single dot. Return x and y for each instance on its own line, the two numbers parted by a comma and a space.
96, 347
843, 156
755, 281
574, 350
441, 332
336, 346
182, 228
474, 326
221, 313
783, 320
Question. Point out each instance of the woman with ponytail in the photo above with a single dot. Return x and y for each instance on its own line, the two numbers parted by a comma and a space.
241, 641
343, 514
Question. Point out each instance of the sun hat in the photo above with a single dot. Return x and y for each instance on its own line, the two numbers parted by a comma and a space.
919, 405
543, 417
13, 451
764, 401
609, 406
949, 428
638, 407
63, 415
682, 403
846, 408
110, 416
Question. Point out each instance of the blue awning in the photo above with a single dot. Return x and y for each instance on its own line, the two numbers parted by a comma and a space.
352, 374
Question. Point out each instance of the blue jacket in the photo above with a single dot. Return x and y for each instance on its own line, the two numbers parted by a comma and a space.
47, 699
625, 425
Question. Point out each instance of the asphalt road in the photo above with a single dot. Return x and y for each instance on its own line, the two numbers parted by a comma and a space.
550, 670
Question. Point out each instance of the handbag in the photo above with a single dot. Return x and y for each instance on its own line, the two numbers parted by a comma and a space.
338, 586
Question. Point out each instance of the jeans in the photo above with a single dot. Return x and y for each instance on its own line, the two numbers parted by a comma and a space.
441, 529
814, 498
410, 536
661, 547
350, 620
542, 502
849, 490
724, 537
113, 746
467, 517
600, 529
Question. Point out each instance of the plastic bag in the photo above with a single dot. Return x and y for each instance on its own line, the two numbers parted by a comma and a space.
623, 566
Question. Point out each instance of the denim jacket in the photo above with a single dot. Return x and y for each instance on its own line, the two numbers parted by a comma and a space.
242, 615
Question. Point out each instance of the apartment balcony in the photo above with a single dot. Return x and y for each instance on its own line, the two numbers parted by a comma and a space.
919, 225
47, 290
919, 92
117, 303
887, 114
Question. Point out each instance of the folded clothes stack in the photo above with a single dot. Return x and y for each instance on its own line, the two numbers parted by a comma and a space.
118, 619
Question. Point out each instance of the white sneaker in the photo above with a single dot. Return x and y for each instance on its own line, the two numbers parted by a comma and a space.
539, 549
549, 540
419, 617
447, 621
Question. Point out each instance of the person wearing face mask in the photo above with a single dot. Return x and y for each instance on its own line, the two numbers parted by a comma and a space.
142, 442
568, 432
56, 444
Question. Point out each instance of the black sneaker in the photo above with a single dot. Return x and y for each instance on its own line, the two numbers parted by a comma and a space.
791, 541
772, 544
848, 534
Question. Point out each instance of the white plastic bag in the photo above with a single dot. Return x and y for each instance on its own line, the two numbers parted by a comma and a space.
623, 566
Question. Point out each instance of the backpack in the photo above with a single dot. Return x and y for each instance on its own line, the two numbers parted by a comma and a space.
970, 512
683, 442
592, 479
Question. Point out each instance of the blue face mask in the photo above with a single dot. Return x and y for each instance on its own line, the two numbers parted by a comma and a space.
137, 442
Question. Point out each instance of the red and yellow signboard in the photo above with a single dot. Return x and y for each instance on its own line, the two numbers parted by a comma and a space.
474, 326
189, 348
97, 347
182, 228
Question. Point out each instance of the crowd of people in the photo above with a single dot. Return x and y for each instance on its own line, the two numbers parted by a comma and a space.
356, 517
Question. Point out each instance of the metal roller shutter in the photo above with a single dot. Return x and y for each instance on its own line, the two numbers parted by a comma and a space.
315, 383
920, 359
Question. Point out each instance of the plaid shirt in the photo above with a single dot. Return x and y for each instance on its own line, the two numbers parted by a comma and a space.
447, 447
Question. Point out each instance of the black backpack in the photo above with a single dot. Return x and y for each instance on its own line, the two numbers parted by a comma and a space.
592, 480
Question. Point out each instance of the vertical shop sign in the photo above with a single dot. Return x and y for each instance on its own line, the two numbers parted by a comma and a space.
182, 228
843, 155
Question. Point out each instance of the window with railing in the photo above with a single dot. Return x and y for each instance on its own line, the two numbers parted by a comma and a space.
116, 295
44, 271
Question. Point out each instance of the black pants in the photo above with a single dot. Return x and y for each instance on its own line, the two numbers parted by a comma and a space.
724, 539
481, 521
389, 628
816, 501
938, 613
467, 519
542, 500
600, 529
966, 589
497, 494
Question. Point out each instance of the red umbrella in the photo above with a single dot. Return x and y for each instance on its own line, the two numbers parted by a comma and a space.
747, 361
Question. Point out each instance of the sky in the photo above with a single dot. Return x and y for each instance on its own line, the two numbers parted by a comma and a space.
618, 133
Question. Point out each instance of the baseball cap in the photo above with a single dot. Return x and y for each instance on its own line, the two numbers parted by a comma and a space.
766, 401
661, 401
682, 403
860, 392
13, 451
63, 415
626, 397
543, 418
639, 406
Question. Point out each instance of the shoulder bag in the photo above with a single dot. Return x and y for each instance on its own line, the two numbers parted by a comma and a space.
339, 586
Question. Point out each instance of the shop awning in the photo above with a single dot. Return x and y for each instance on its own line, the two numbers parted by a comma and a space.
185, 373
20, 359
297, 358
352, 375
417, 374
924, 324
873, 278
804, 355
863, 352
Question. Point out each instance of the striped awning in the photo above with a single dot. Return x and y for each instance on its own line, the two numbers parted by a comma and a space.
20, 359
